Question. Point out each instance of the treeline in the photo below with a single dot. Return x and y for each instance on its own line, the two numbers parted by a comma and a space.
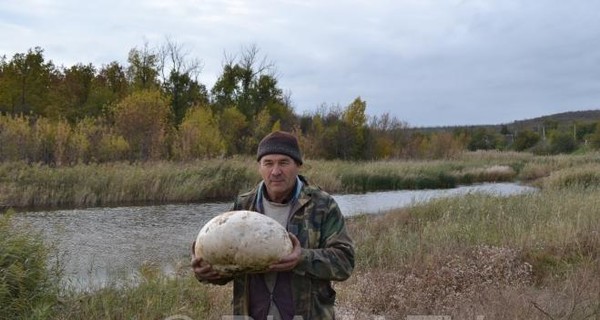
155, 108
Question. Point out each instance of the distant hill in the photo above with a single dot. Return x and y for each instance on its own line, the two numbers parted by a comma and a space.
558, 119
564, 118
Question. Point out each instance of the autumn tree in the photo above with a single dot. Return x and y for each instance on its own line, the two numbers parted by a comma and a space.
199, 134
142, 119
444, 145
234, 127
354, 129
179, 74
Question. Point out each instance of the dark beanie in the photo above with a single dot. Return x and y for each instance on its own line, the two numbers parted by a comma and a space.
279, 142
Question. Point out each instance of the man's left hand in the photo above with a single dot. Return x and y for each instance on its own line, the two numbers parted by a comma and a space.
291, 260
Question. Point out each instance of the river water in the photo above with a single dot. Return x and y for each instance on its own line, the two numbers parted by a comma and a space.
99, 244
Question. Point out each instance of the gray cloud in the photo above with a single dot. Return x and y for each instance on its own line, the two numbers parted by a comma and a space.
427, 62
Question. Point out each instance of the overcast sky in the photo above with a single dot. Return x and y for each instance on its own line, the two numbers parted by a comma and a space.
426, 62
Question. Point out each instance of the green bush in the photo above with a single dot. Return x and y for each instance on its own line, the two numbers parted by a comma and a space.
28, 287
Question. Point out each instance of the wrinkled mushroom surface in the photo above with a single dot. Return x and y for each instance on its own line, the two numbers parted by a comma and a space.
242, 241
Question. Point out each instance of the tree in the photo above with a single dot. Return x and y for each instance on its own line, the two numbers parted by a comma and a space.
594, 137
355, 119
200, 135
180, 79
248, 84
562, 142
234, 127
72, 93
142, 119
184, 93
481, 139
25, 82
142, 72
525, 139
444, 145
112, 78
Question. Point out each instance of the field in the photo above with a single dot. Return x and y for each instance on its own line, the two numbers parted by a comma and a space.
532, 256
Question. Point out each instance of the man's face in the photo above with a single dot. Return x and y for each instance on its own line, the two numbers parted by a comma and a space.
279, 173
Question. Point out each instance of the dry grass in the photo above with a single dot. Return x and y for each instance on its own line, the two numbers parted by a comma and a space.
499, 258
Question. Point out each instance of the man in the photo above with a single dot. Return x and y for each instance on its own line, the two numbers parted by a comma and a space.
299, 285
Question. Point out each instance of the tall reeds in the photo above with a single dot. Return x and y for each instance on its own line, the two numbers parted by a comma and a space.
29, 284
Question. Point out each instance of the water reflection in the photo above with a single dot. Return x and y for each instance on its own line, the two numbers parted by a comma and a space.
376, 202
98, 242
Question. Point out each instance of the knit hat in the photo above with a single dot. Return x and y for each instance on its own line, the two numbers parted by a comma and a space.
279, 142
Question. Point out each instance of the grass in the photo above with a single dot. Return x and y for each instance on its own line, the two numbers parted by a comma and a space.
153, 296
28, 284
35, 186
30, 186
504, 258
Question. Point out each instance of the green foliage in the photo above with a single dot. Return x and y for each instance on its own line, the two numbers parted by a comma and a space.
594, 138
73, 92
525, 139
16, 141
355, 129
200, 135
185, 93
481, 139
25, 83
156, 296
28, 286
142, 72
234, 127
142, 119
562, 142
249, 85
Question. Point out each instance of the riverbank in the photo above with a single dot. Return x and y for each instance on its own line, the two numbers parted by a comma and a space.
530, 256
26, 187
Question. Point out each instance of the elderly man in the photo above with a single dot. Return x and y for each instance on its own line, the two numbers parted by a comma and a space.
299, 285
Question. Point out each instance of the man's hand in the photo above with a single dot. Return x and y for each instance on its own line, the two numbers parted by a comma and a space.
290, 261
203, 271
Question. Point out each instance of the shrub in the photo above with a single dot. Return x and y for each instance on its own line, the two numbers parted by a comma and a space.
28, 287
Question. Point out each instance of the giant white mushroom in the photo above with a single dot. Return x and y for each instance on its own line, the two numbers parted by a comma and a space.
242, 241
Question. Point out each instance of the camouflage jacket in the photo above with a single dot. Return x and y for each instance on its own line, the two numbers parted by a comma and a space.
327, 253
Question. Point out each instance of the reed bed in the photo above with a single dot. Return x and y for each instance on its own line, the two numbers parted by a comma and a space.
39, 186
32, 186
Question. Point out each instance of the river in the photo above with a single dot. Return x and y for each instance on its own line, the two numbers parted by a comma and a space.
97, 244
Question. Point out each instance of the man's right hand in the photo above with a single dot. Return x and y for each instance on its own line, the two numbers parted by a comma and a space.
203, 271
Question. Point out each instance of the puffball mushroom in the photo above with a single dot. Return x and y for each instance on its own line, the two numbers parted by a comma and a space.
242, 241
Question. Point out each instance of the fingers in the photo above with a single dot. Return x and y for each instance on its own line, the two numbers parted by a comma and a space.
204, 271
291, 260
295, 241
